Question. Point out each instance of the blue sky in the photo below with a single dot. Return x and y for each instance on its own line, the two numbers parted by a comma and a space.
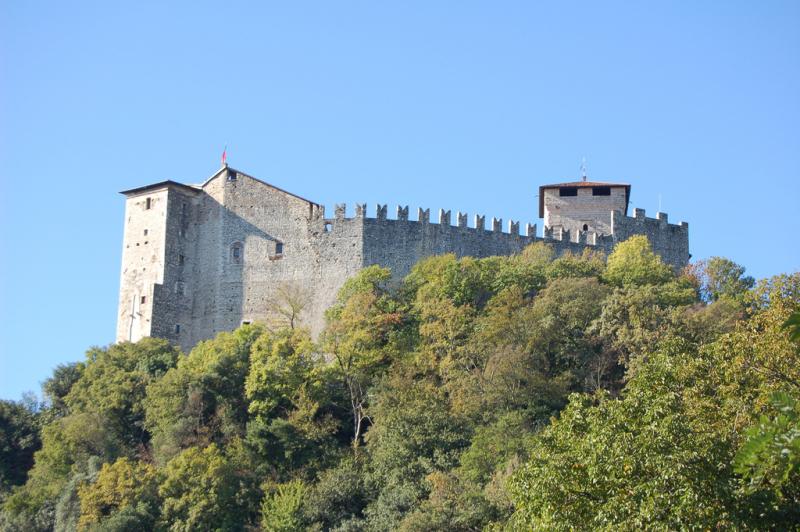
462, 105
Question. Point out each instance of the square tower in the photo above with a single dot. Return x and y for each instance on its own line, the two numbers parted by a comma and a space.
152, 299
581, 206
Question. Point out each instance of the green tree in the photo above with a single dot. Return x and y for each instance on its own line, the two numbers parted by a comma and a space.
202, 400
69, 445
282, 509
113, 382
719, 277
637, 463
119, 487
57, 387
664, 454
281, 363
413, 435
633, 263
360, 337
769, 458
199, 492
19, 439
339, 495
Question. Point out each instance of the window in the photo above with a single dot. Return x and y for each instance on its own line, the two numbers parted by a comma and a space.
181, 260
147, 203
231, 175
143, 300
279, 248
568, 191
177, 328
180, 288
183, 208
601, 191
237, 252
145, 232
585, 227
246, 322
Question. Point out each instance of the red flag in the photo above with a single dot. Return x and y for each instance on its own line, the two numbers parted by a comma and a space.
225, 156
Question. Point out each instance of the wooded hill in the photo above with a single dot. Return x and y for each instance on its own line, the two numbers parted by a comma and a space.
507, 393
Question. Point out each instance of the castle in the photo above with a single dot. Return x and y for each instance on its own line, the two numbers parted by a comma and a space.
200, 259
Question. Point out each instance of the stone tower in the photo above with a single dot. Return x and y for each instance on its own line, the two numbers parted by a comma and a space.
582, 206
152, 295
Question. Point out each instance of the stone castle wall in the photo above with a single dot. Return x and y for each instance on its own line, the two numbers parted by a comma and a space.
195, 286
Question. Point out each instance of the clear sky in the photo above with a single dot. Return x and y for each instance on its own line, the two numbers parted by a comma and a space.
462, 105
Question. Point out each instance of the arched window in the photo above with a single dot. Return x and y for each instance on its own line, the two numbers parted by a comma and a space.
585, 227
237, 252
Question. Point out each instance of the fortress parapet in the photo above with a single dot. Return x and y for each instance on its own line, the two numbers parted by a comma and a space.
200, 259
399, 243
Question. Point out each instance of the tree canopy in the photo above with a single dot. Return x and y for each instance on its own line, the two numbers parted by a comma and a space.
575, 392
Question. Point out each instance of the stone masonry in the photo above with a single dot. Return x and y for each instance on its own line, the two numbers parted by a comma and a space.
201, 259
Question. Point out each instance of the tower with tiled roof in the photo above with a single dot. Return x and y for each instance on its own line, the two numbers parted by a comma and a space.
582, 206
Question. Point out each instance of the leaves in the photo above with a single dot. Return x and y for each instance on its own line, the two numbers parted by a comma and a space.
524, 392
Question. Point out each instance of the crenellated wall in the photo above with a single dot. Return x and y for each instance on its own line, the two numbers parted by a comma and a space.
400, 242
202, 259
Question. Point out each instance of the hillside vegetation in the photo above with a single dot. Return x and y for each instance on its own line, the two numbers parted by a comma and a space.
507, 393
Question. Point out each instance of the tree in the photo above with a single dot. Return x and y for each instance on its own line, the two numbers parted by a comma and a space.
633, 263
113, 382
289, 301
19, 439
120, 487
635, 319
664, 455
57, 387
199, 492
202, 400
338, 496
719, 277
70, 446
640, 462
359, 336
280, 364
769, 458
414, 435
282, 509
290, 422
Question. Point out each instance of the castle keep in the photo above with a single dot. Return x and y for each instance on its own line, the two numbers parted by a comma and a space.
200, 259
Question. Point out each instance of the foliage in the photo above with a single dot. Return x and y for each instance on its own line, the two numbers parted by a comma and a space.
202, 399
113, 382
633, 263
19, 439
119, 486
199, 491
360, 336
719, 278
770, 456
57, 387
666, 454
281, 511
635, 463
500, 393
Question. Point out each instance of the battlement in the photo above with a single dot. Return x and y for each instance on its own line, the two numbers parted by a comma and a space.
199, 260
621, 224
479, 238
444, 218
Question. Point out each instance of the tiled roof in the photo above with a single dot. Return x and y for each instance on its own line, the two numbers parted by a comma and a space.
160, 184
585, 184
